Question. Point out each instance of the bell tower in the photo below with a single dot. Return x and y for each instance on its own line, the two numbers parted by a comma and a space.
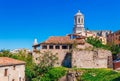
79, 23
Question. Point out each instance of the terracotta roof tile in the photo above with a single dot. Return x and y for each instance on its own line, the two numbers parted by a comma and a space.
4, 61
61, 40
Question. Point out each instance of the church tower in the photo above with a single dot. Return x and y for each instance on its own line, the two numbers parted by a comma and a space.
79, 23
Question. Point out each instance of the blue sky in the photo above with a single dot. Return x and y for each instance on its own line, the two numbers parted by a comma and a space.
23, 20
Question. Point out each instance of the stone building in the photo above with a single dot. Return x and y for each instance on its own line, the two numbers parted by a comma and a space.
114, 38
59, 45
11, 69
102, 35
83, 55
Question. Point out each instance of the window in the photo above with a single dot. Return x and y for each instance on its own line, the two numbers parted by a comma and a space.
36, 58
44, 47
51, 47
78, 20
70, 47
57, 47
6, 72
14, 67
13, 79
20, 79
64, 47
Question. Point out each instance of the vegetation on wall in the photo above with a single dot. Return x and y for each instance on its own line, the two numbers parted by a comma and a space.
98, 44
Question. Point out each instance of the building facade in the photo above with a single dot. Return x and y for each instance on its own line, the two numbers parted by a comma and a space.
81, 56
11, 69
58, 45
114, 38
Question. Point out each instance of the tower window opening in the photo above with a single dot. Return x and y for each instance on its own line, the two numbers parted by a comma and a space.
78, 20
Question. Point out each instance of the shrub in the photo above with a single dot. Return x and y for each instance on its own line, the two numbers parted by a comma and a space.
54, 74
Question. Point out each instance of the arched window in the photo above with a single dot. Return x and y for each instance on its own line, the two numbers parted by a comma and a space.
78, 20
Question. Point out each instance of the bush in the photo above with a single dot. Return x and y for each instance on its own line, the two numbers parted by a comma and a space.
54, 74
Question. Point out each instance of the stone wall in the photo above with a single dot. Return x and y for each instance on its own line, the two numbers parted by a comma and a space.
63, 56
97, 58
81, 58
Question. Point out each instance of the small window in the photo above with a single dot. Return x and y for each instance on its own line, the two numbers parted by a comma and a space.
78, 20
44, 47
51, 47
6, 72
20, 79
57, 47
64, 47
36, 58
13, 79
70, 47
14, 67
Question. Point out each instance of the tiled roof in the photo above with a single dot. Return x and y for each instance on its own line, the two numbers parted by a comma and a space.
61, 40
4, 61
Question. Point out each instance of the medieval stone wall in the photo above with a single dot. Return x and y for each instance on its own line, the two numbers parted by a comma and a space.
63, 56
97, 58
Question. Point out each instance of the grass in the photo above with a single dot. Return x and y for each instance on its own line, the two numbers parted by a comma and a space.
100, 75
87, 74
54, 74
